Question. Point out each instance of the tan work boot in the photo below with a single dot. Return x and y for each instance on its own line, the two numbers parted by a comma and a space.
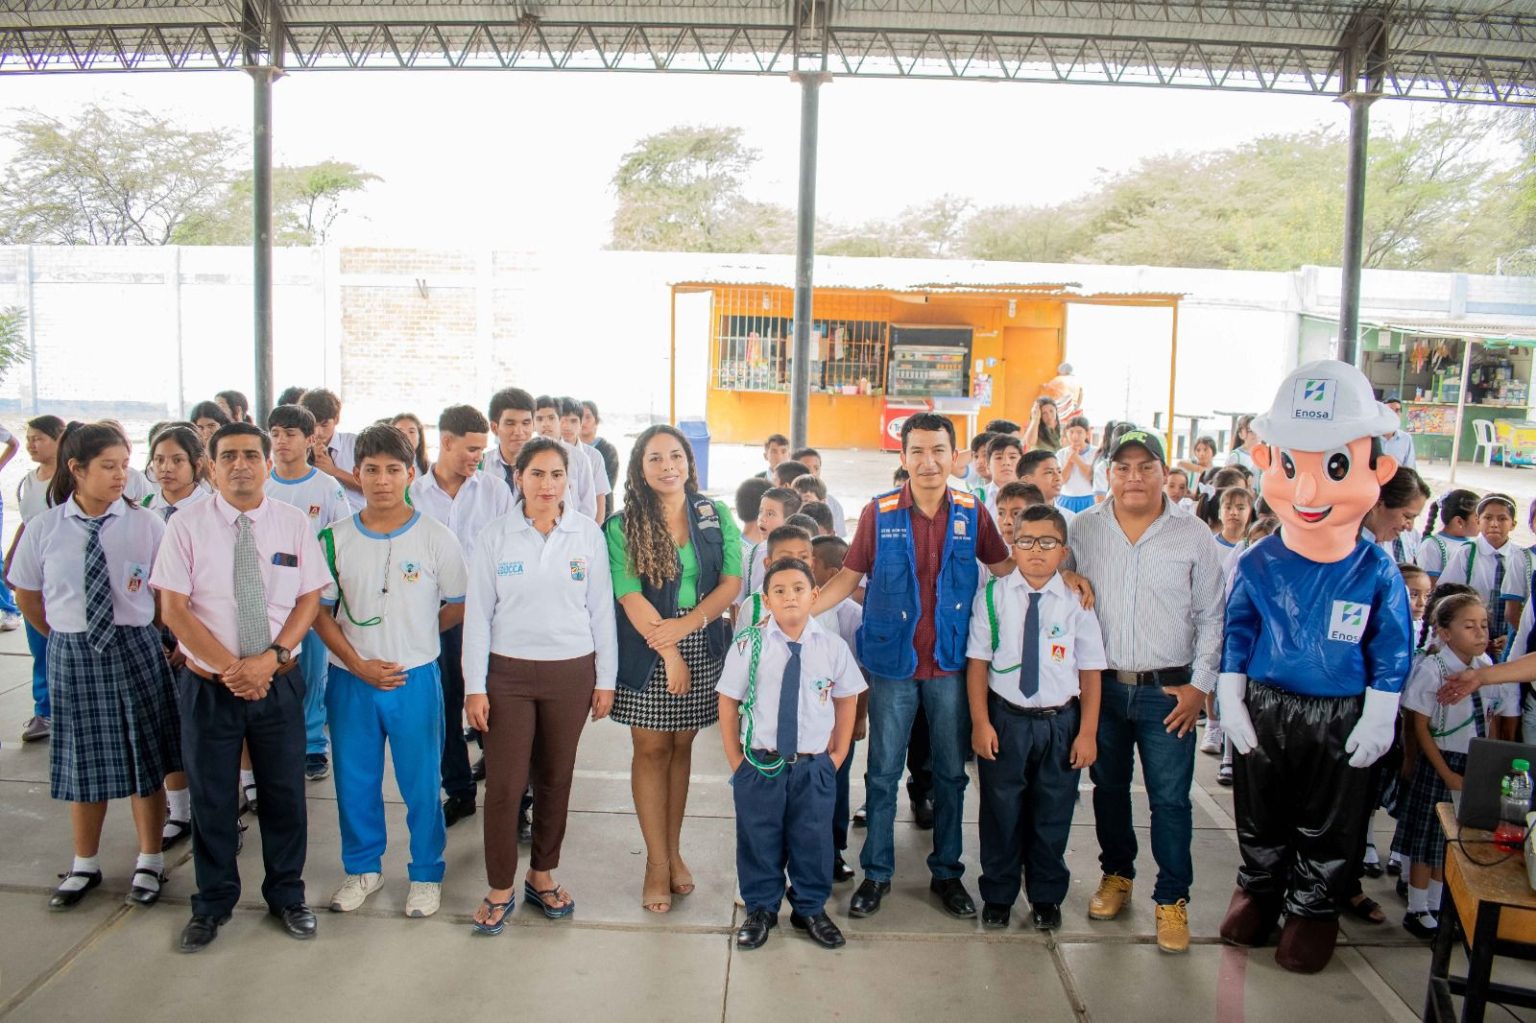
1173, 927
1109, 900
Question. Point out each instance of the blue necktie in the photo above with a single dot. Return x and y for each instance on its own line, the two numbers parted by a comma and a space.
98, 589
1029, 659
789, 705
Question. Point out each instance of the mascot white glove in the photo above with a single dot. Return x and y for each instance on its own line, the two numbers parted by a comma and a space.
1372, 735
1232, 712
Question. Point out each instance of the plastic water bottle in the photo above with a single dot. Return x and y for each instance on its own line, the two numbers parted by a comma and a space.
1514, 804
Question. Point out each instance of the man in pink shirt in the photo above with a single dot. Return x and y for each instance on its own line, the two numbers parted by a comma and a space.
240, 579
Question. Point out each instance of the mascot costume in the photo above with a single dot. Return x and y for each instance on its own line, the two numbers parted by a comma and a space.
1317, 647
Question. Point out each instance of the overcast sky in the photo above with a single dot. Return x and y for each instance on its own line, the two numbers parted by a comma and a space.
523, 159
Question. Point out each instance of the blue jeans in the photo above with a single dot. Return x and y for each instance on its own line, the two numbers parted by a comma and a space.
313, 663
892, 704
410, 719
38, 644
1131, 719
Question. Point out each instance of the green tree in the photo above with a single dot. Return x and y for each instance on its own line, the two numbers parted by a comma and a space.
110, 177
306, 201
681, 190
13, 341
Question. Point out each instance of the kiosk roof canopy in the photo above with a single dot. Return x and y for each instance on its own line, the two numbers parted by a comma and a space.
1479, 51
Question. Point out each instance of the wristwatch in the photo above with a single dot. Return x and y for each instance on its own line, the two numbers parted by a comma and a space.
284, 655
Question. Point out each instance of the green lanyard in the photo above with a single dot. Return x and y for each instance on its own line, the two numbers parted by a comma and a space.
992, 624
328, 541
774, 767
1477, 706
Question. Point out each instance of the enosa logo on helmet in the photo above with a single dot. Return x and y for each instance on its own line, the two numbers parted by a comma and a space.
1313, 399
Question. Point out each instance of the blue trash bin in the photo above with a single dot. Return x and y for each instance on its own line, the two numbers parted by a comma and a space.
697, 432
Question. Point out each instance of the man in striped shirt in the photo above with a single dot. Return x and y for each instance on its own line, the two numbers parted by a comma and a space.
1157, 575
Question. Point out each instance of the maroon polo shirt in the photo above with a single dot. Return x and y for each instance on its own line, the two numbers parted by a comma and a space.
928, 535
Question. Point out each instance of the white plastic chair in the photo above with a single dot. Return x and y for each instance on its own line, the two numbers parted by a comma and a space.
1487, 443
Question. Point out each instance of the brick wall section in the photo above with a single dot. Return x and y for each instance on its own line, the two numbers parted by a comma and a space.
404, 351
417, 262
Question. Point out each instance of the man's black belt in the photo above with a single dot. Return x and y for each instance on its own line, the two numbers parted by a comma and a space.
1155, 677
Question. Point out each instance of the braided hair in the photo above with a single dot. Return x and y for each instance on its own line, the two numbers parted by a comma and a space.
1453, 504
651, 553
1454, 597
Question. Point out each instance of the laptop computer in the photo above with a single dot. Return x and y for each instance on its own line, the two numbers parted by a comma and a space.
1488, 762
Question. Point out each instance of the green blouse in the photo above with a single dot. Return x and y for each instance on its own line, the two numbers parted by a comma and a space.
626, 582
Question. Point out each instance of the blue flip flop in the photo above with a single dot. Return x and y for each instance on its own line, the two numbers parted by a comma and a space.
491, 930
533, 897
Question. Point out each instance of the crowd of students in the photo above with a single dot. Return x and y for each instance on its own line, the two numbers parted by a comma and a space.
270, 606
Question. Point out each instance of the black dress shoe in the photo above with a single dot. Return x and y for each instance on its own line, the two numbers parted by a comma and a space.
298, 920
456, 808
995, 915
69, 898
841, 871
1394, 868
200, 932
143, 895
1372, 870
174, 833
1046, 916
1402, 887
922, 814
477, 769
860, 817
866, 901
820, 927
754, 930
957, 901
1415, 925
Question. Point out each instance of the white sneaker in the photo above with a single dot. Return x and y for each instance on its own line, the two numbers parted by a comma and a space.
354, 891
424, 899
36, 729
1215, 738
10, 623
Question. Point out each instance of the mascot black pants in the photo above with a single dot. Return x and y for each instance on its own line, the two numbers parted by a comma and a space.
1300, 806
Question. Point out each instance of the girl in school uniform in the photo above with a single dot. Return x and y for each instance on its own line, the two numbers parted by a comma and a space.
1076, 468
1497, 568
82, 572
208, 416
43, 435
1244, 443
540, 658
675, 557
409, 424
1444, 734
1457, 512
1389, 524
177, 458
1111, 434
1234, 509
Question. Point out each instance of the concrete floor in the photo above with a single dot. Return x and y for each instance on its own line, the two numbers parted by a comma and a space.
105, 960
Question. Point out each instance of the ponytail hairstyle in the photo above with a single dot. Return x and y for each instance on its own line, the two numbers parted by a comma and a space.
81, 443
1212, 482
1243, 423
1453, 504
1402, 488
1460, 593
650, 552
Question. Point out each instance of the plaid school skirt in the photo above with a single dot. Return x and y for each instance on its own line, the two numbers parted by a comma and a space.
1418, 828
116, 731
655, 708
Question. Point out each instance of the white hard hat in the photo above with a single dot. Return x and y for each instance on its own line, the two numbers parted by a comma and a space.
1324, 405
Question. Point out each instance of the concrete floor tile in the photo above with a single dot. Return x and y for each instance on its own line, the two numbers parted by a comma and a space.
35, 842
34, 937
1406, 971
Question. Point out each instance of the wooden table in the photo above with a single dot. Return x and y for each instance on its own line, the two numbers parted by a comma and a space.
1489, 905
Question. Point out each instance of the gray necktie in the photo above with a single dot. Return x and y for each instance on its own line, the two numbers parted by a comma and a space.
255, 633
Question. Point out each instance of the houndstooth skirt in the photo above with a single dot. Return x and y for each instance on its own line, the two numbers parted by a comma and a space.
116, 731
658, 710
1418, 827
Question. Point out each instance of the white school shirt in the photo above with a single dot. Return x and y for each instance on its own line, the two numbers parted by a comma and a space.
481, 500
1073, 482
402, 578
1101, 478
844, 620
1405, 549
1435, 552
840, 520
1483, 556
1070, 640
51, 559
1522, 638
600, 485
754, 562
157, 503
138, 486
828, 672
317, 495
343, 451
540, 598
32, 495
1451, 726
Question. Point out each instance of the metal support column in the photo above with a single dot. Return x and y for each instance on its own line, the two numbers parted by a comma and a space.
805, 255
261, 236
1366, 53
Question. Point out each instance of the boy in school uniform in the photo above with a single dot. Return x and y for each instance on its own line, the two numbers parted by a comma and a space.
581, 488
785, 541
773, 509
570, 435
456, 493
1044, 473
796, 687
843, 620
511, 418
811, 459
1034, 659
320, 497
331, 451
775, 450
397, 579
749, 501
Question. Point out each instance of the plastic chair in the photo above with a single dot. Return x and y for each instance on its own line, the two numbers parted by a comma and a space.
1487, 443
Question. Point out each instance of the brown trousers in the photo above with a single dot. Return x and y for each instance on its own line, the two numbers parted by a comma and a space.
538, 709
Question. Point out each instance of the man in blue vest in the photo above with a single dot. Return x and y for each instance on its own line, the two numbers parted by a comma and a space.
919, 546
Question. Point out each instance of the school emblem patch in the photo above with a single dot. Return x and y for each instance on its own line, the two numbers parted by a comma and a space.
1056, 630
823, 687
411, 571
578, 569
1058, 652
314, 511
959, 527
136, 575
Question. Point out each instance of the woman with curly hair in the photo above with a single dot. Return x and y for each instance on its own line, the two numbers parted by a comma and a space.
675, 557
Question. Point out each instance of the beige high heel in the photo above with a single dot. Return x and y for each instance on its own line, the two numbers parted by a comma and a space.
655, 896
